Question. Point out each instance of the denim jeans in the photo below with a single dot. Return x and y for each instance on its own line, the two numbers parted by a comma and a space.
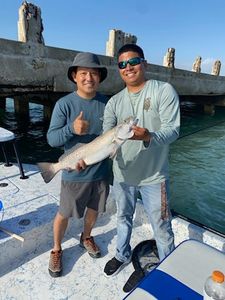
155, 198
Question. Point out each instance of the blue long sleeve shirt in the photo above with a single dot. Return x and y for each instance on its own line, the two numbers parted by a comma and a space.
61, 131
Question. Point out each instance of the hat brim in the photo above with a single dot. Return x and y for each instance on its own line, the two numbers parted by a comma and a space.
103, 73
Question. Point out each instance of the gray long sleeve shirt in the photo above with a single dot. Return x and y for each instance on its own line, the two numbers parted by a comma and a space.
157, 108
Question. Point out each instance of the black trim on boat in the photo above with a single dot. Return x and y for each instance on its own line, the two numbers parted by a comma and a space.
217, 232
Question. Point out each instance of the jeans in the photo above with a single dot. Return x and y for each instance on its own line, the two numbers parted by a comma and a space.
156, 205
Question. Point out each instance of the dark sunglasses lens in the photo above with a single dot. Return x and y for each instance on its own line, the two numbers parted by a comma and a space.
122, 64
134, 61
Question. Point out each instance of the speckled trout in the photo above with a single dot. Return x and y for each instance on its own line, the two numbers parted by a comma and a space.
105, 145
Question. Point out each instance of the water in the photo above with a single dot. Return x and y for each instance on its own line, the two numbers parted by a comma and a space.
197, 159
32, 143
197, 165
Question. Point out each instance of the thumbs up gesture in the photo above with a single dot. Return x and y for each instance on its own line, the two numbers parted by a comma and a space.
80, 125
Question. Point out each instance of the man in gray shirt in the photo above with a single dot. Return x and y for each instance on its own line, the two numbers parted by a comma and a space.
142, 165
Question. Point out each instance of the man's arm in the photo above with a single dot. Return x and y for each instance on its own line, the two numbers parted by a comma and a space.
169, 112
59, 131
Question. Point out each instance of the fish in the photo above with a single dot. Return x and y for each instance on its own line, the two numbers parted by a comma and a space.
103, 146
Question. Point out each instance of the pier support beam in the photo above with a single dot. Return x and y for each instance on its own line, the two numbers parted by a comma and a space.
21, 106
2, 103
209, 109
47, 112
221, 102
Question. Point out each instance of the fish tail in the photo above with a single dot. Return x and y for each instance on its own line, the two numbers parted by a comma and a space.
48, 170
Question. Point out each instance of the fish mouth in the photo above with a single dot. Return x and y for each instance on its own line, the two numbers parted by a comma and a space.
127, 131
130, 119
135, 121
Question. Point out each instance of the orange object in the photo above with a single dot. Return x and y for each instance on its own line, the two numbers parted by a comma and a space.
218, 276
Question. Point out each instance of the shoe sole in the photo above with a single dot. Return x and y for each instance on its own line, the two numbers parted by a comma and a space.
133, 280
92, 255
118, 270
55, 274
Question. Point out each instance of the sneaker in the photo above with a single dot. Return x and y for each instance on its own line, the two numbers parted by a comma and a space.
89, 244
55, 263
114, 266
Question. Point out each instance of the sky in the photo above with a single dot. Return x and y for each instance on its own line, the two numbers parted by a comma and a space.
193, 27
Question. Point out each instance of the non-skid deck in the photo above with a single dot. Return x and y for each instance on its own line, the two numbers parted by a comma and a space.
29, 209
30, 206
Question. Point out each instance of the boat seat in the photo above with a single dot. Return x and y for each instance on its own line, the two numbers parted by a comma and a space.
8, 137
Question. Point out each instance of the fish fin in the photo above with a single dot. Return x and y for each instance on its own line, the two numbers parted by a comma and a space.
124, 135
113, 154
48, 170
130, 134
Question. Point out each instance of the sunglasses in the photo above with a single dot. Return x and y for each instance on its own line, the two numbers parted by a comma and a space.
132, 61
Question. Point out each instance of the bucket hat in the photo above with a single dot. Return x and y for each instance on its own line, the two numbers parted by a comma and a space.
87, 60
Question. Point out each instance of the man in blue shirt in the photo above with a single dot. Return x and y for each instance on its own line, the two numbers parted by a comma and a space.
77, 119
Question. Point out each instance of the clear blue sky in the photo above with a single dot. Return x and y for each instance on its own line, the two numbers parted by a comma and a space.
193, 27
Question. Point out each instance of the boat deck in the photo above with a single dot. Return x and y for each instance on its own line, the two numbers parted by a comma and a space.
29, 209
26, 240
